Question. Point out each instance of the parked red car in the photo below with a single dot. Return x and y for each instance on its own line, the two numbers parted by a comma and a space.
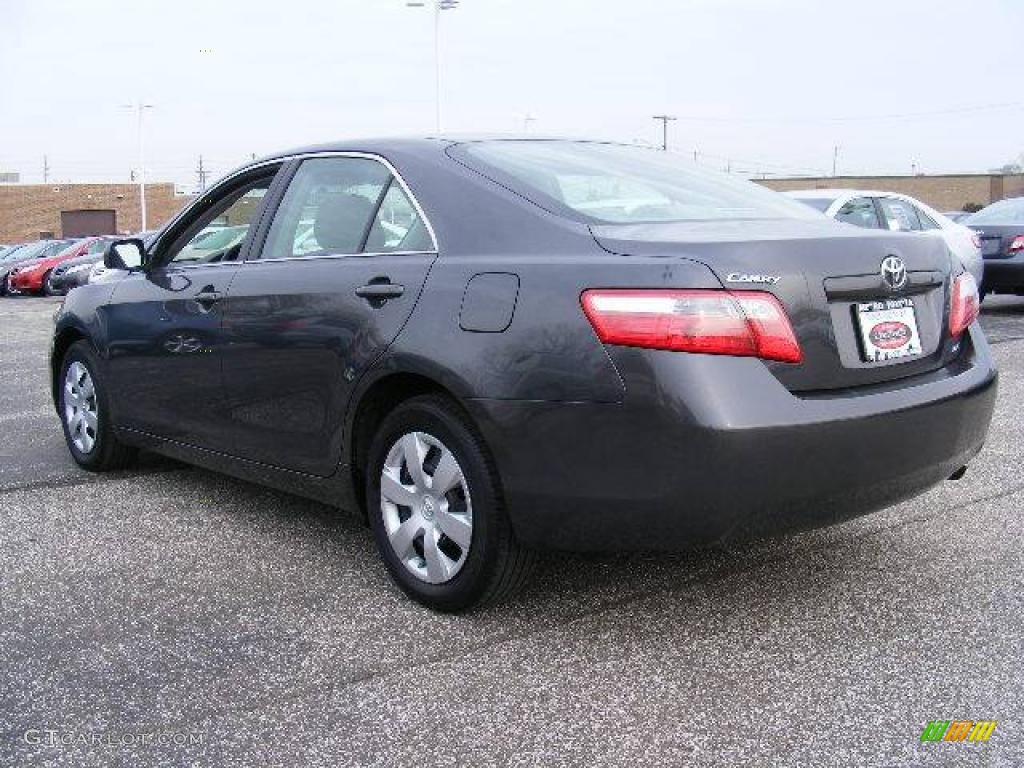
34, 277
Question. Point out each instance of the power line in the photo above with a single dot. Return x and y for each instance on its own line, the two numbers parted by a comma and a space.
859, 118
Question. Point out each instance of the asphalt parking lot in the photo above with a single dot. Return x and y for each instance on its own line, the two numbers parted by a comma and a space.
261, 626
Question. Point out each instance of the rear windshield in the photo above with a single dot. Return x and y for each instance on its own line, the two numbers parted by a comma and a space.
618, 184
1004, 212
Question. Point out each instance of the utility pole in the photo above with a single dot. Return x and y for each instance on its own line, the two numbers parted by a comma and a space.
139, 108
835, 159
527, 119
46, 169
439, 6
201, 172
665, 120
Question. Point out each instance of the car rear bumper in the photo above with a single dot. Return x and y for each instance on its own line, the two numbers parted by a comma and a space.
1005, 274
706, 449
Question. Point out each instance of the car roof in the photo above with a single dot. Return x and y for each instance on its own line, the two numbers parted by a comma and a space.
423, 146
835, 194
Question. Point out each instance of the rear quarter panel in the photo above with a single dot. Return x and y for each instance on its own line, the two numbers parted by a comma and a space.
549, 351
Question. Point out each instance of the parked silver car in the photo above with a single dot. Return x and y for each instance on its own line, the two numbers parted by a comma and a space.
899, 213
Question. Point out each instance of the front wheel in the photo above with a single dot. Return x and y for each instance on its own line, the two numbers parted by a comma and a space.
436, 509
48, 287
84, 406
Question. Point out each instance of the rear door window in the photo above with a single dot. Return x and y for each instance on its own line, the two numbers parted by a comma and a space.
900, 215
860, 212
343, 206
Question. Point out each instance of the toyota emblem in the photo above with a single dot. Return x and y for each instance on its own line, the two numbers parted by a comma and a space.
894, 272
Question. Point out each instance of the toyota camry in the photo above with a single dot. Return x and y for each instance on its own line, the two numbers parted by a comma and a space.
489, 347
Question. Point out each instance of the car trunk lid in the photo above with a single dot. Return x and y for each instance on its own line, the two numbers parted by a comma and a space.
996, 239
820, 271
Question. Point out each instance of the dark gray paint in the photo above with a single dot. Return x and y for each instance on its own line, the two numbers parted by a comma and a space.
489, 302
595, 447
1004, 270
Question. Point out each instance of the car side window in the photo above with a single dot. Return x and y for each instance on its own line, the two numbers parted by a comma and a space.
343, 205
224, 227
397, 226
901, 215
860, 212
927, 222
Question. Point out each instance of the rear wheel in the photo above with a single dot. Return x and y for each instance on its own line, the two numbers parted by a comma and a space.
85, 413
436, 509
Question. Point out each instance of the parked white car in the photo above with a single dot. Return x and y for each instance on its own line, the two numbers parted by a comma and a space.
900, 213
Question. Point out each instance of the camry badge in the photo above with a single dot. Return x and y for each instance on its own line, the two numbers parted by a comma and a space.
894, 272
740, 277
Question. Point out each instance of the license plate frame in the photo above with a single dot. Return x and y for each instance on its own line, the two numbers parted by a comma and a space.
887, 330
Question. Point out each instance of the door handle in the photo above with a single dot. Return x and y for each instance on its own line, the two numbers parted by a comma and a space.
208, 296
380, 291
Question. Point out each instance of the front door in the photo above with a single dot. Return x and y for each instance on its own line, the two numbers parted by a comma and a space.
334, 281
165, 336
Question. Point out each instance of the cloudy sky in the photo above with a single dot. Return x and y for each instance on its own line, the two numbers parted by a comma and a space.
760, 86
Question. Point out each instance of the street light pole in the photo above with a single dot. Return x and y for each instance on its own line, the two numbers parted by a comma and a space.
139, 108
665, 120
439, 5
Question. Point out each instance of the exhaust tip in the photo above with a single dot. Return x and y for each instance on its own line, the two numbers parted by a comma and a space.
959, 473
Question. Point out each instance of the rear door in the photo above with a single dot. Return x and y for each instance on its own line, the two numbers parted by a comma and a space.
340, 267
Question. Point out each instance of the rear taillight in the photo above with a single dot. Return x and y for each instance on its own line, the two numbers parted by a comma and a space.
963, 304
744, 323
1017, 244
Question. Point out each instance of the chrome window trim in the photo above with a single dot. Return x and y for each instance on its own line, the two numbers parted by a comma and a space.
310, 155
330, 256
181, 265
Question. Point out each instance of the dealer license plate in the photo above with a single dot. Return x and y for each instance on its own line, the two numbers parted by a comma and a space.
888, 330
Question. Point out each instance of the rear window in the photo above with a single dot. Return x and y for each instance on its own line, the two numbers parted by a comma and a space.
618, 184
1004, 212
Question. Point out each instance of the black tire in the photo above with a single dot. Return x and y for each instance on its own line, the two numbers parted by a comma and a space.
48, 289
107, 453
496, 564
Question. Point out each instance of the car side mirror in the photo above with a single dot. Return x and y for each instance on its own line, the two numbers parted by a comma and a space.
126, 254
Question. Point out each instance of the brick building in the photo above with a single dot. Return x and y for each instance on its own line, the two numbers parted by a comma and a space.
944, 193
34, 211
